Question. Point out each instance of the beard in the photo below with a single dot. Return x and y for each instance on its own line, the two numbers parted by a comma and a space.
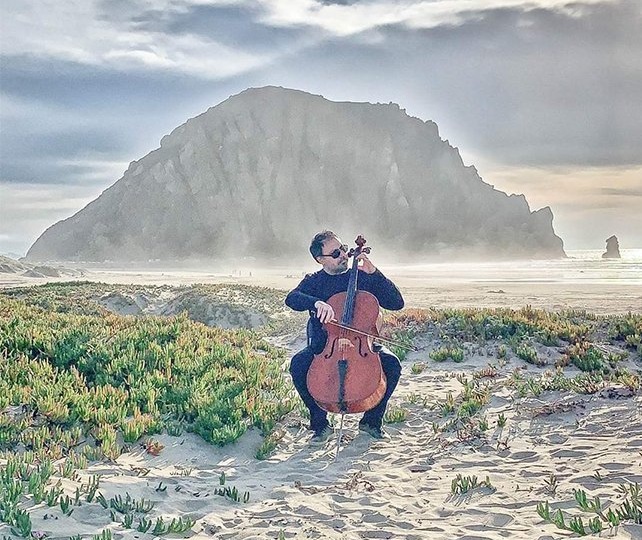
340, 268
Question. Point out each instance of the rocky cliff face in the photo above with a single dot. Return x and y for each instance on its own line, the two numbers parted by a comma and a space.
261, 172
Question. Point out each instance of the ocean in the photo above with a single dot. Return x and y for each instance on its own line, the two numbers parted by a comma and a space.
581, 267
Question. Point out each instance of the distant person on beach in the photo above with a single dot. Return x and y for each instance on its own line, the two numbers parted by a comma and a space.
311, 295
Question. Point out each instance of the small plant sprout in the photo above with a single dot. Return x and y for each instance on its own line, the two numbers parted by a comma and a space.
551, 484
417, 368
463, 484
395, 415
153, 447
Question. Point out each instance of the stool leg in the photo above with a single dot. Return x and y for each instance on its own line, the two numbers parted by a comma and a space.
339, 436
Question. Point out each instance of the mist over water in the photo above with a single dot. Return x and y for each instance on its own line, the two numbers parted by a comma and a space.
582, 281
581, 266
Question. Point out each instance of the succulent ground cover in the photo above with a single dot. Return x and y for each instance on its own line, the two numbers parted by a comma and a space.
222, 305
80, 384
80, 388
542, 364
583, 339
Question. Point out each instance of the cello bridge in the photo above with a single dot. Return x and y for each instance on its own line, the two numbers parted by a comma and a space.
344, 343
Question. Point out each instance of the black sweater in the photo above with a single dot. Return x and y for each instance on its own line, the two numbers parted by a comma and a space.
321, 286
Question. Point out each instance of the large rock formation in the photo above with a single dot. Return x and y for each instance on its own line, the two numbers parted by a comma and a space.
261, 172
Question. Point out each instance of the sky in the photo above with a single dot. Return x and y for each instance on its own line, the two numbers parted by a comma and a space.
543, 97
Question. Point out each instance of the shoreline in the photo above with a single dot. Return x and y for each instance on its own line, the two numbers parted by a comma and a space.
420, 291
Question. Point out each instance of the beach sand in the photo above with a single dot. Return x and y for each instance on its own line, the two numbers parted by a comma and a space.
440, 286
398, 488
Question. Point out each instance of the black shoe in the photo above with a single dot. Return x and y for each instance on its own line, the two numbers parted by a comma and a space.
322, 435
373, 431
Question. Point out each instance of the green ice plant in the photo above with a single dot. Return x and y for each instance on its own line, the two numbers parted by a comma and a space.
395, 415
144, 524
128, 521
10, 493
21, 524
36, 487
92, 487
233, 494
128, 504
96, 390
585, 504
456, 354
528, 354
418, 367
104, 535
630, 509
66, 505
52, 496
463, 484
268, 445
448, 406
180, 525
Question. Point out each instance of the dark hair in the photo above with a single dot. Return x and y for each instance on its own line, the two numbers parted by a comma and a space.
316, 246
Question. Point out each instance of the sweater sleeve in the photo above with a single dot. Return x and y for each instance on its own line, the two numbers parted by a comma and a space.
302, 298
385, 290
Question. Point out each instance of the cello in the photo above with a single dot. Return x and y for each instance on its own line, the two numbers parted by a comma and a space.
347, 375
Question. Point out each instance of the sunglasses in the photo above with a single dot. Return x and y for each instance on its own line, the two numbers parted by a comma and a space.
337, 252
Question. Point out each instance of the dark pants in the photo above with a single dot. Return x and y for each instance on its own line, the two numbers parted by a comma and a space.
318, 417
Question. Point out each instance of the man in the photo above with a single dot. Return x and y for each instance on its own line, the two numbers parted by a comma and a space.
311, 295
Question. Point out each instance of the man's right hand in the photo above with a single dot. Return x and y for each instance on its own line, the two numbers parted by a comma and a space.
325, 313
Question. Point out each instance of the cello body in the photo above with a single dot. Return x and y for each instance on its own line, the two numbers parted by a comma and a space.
347, 376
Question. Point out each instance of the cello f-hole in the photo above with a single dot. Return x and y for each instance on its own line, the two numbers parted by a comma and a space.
331, 350
361, 353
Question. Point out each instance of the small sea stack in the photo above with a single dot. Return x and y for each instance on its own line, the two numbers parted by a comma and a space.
612, 248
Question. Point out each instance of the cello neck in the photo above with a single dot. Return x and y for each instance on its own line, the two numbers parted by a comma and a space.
348, 310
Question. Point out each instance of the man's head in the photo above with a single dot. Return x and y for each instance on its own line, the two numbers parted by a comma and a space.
329, 252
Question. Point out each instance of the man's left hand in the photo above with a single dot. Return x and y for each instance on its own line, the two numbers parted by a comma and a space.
365, 264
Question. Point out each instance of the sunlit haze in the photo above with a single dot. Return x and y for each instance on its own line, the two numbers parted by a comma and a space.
542, 97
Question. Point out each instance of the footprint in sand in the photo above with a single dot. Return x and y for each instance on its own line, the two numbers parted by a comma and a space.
374, 517
567, 454
498, 520
615, 466
524, 456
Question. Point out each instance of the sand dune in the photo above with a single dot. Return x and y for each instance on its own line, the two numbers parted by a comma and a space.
397, 488
400, 488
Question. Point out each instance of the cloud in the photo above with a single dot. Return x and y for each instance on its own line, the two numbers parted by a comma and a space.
216, 39
236, 26
623, 192
349, 18
521, 86
80, 31
26, 210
